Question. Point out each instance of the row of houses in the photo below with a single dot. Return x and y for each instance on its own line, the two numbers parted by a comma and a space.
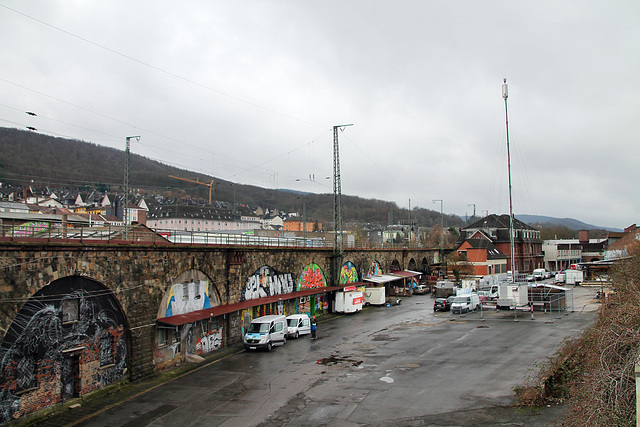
159, 213
485, 247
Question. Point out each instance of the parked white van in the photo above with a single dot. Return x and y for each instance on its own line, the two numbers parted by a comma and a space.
539, 274
298, 324
465, 303
265, 332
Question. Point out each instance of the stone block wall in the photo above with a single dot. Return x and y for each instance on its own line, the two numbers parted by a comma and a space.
139, 276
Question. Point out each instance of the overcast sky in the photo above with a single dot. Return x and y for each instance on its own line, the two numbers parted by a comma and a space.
249, 91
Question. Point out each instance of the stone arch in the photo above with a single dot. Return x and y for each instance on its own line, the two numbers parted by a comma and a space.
312, 276
190, 291
266, 281
70, 338
395, 265
413, 266
348, 273
375, 268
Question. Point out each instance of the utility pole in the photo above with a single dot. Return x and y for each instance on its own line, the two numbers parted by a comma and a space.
304, 223
337, 206
125, 208
337, 191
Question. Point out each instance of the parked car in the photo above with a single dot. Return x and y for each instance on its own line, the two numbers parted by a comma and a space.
420, 289
442, 304
531, 278
298, 324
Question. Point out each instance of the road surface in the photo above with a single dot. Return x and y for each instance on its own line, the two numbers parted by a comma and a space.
398, 365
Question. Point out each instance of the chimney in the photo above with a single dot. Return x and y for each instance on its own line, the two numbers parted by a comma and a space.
583, 236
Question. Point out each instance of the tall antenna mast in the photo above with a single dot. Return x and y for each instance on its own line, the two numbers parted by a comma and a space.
505, 95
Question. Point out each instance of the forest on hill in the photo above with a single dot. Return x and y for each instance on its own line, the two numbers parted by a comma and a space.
47, 162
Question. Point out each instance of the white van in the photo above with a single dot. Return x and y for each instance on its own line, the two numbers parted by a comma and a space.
265, 332
298, 324
539, 274
465, 303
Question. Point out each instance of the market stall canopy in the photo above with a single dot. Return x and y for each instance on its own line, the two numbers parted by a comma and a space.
382, 278
406, 273
194, 316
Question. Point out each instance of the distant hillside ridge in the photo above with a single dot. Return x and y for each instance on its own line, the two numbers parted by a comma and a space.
43, 161
570, 223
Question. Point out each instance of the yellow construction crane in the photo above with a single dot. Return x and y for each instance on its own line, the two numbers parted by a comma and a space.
197, 181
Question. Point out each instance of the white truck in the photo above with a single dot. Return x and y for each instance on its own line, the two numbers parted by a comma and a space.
573, 277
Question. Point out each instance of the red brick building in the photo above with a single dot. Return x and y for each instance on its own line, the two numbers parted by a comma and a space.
482, 254
528, 253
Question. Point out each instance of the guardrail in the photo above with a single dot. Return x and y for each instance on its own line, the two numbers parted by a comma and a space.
136, 234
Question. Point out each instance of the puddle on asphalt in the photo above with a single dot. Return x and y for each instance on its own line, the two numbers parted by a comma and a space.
335, 359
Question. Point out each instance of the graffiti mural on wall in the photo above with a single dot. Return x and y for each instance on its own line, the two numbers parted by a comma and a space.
312, 277
209, 343
348, 273
69, 339
374, 269
31, 229
266, 282
187, 297
189, 292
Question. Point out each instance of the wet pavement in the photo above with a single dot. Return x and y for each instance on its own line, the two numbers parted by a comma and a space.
401, 365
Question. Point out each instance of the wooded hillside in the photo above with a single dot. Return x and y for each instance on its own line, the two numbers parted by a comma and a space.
37, 160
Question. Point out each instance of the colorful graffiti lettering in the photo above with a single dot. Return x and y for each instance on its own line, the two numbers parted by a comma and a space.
30, 229
187, 297
210, 342
374, 269
266, 282
348, 273
312, 277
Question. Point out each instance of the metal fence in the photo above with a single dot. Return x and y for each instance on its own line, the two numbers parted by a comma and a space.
43, 231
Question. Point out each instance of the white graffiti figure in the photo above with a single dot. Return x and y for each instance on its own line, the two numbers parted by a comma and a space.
266, 282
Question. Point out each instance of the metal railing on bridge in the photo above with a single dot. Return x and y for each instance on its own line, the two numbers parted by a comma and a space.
140, 234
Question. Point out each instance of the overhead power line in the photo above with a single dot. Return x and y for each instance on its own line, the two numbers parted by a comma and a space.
169, 73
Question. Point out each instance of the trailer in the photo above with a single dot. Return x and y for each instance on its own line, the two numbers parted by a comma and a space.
374, 295
512, 295
349, 302
444, 289
574, 277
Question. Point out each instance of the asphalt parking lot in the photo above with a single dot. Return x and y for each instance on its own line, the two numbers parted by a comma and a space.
398, 365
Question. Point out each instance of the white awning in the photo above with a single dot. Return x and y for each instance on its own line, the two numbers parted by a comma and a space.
382, 278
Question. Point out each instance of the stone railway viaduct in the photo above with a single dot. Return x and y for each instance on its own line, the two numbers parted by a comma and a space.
75, 317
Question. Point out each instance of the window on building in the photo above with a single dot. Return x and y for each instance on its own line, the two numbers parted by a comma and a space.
166, 336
